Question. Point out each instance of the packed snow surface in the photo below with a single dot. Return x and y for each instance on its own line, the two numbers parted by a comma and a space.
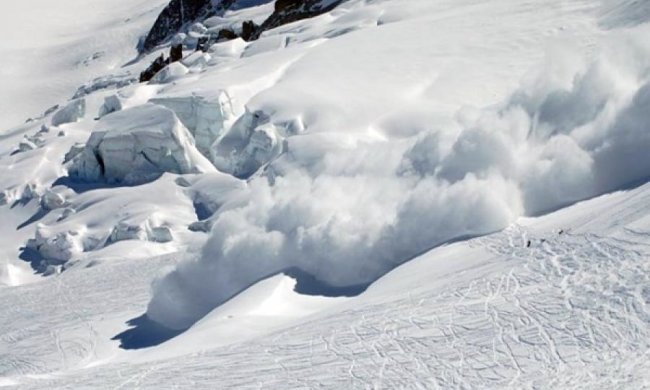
397, 193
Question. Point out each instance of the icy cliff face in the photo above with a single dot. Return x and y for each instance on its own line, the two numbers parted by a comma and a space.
138, 145
205, 119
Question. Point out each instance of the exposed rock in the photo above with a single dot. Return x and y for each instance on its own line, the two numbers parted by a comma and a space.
180, 13
289, 11
177, 14
226, 34
72, 112
156, 66
249, 30
137, 145
176, 52
203, 44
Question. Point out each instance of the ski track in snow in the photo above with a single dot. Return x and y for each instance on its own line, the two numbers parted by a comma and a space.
569, 311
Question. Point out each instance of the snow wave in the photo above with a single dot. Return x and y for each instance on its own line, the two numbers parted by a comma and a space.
347, 214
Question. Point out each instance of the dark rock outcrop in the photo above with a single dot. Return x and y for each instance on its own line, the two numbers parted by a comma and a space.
289, 11
176, 53
249, 30
176, 15
179, 13
156, 66
226, 35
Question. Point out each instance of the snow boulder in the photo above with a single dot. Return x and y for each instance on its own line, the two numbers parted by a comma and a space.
72, 112
137, 145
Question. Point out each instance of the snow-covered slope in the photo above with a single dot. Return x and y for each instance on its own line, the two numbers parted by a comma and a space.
52, 48
380, 196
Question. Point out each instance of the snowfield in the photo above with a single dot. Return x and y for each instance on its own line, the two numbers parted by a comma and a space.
394, 194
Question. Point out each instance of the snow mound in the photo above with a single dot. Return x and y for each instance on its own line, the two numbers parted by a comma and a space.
138, 145
578, 129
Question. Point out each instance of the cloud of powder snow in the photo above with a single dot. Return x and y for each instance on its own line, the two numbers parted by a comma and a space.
349, 215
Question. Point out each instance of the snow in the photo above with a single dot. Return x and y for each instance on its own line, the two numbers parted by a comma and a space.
52, 50
137, 145
393, 194
72, 112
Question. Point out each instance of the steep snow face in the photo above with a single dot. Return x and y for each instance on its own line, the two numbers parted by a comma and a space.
138, 145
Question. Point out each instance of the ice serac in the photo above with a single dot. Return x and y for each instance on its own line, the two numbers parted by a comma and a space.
204, 117
251, 143
137, 145
72, 112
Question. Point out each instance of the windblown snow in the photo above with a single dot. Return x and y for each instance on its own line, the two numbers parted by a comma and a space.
396, 193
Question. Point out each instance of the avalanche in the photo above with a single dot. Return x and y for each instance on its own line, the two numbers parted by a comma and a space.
394, 193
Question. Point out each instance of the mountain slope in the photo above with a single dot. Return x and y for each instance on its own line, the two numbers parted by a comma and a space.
397, 193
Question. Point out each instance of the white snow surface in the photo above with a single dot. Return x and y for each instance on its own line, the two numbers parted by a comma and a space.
399, 193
